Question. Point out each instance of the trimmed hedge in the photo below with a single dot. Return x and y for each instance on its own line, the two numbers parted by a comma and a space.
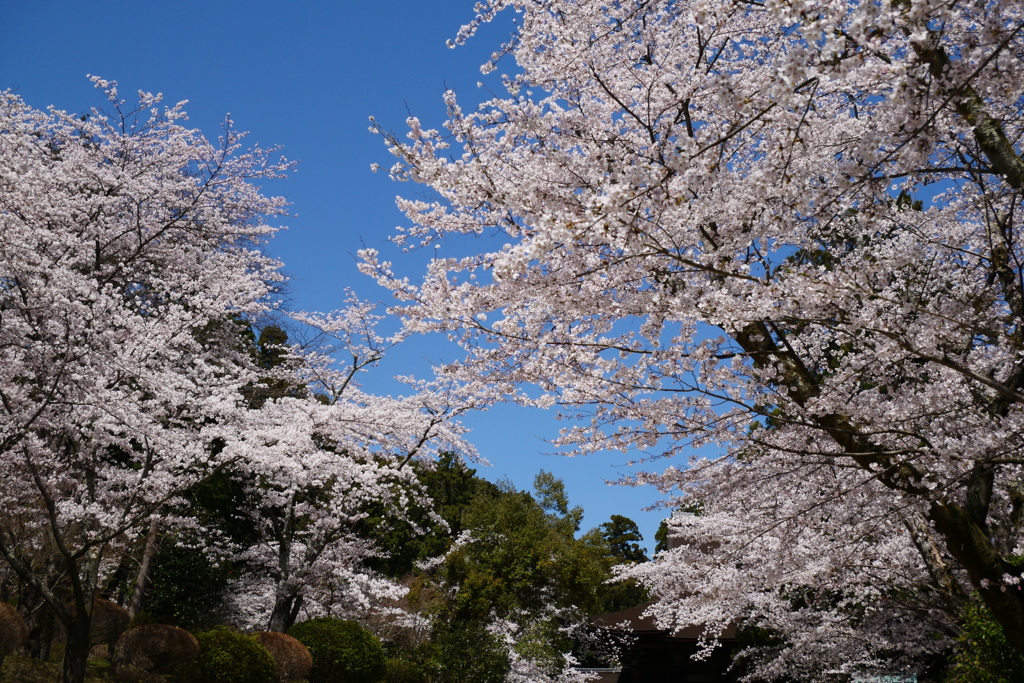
156, 649
109, 621
343, 651
230, 656
292, 657
13, 631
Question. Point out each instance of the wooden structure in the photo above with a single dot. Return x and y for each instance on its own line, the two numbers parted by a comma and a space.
659, 656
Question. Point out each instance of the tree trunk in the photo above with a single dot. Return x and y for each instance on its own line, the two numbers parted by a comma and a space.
281, 618
77, 616
975, 553
143, 576
285, 592
294, 614
47, 630
76, 654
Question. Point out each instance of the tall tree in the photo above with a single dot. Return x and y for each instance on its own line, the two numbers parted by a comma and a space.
435, 520
130, 243
518, 570
623, 538
620, 538
315, 467
787, 229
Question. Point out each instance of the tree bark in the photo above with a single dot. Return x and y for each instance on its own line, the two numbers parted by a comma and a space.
962, 529
47, 630
76, 654
971, 547
142, 579
281, 618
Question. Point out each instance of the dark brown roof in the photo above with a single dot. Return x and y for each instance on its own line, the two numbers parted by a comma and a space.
603, 675
633, 621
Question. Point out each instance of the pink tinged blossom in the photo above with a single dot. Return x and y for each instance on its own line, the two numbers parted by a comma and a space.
712, 238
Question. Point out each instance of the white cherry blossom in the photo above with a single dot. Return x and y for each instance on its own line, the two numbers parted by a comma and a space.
787, 231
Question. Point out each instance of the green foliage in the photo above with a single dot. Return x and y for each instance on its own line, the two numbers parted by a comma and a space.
661, 537
464, 652
451, 486
229, 656
271, 347
521, 559
403, 671
552, 498
622, 595
216, 502
623, 538
523, 563
343, 651
270, 351
185, 587
983, 654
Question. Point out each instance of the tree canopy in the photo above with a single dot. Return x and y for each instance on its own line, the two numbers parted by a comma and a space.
139, 407
130, 246
786, 231
776, 241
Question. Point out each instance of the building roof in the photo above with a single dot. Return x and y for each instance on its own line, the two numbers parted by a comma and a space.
634, 621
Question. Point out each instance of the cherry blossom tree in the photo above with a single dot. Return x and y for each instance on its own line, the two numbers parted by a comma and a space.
315, 465
783, 230
131, 246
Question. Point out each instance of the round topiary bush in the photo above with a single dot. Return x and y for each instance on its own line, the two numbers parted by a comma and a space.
109, 621
13, 631
156, 649
343, 651
230, 656
292, 657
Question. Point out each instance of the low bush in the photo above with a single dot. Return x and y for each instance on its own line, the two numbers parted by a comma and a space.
343, 651
155, 649
13, 631
403, 671
292, 657
230, 656
983, 654
109, 621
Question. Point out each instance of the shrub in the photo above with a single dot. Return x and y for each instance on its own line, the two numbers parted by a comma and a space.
292, 657
109, 621
155, 648
466, 652
230, 656
983, 653
403, 671
343, 651
13, 631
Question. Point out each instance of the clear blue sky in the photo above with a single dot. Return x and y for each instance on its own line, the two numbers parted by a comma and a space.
307, 75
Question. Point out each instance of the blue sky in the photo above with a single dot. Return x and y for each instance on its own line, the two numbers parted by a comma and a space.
307, 76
